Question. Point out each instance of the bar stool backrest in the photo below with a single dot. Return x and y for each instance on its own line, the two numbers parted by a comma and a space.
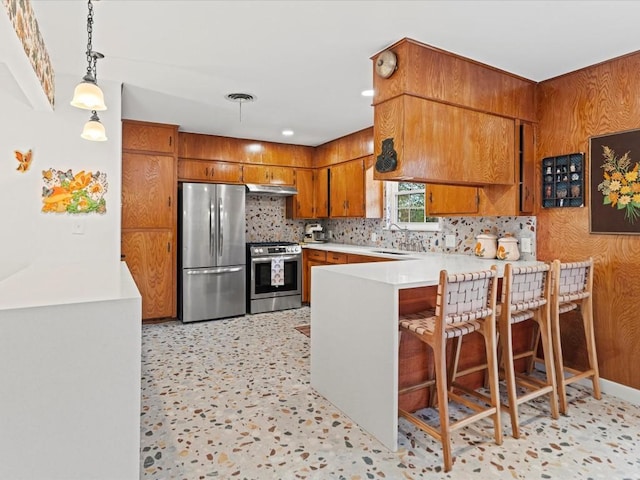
527, 289
464, 297
574, 281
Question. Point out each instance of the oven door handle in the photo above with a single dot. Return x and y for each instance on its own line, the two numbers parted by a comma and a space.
268, 259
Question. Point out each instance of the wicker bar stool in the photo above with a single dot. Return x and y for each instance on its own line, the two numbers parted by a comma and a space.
572, 290
465, 303
525, 295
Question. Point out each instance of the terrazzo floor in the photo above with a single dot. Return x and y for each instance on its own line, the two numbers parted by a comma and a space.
231, 399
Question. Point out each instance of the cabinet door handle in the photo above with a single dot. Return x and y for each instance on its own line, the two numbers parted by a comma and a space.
168, 246
211, 172
206, 171
169, 201
170, 140
430, 197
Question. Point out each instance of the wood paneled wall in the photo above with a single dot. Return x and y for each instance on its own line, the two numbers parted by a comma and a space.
601, 99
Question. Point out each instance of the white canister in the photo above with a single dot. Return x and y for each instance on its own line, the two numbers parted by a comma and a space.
508, 248
485, 245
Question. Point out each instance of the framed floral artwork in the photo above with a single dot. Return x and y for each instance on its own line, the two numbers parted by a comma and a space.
615, 183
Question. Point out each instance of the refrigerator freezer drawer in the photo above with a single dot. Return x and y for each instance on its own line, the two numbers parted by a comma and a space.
210, 293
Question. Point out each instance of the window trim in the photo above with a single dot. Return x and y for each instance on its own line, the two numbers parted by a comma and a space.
392, 223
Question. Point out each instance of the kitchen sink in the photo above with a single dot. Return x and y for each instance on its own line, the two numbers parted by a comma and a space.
388, 252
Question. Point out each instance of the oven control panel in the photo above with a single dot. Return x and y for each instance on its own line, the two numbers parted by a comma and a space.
275, 250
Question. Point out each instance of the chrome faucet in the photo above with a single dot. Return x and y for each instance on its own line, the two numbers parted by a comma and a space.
407, 243
404, 243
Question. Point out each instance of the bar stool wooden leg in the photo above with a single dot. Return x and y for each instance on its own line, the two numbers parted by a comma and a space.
489, 333
547, 350
558, 360
590, 339
440, 361
509, 373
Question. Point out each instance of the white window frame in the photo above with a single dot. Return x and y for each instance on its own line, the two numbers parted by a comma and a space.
391, 200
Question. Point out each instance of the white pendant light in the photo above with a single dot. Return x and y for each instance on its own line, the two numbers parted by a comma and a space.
87, 94
94, 130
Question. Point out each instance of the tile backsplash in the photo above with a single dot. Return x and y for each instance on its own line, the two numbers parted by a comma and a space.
266, 220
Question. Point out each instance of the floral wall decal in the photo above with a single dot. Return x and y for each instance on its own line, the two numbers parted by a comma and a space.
64, 192
615, 183
24, 160
25, 24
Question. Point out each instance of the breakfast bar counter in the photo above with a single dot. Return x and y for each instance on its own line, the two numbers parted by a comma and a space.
355, 341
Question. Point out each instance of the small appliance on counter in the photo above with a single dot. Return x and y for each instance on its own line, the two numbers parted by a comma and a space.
314, 233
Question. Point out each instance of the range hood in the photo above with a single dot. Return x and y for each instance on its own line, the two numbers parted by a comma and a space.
274, 190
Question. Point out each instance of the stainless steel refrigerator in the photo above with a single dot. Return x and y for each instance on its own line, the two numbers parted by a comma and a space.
212, 258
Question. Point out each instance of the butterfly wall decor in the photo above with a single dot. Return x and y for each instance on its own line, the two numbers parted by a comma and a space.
24, 159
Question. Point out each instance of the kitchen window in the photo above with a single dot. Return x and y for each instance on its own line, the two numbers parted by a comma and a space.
406, 207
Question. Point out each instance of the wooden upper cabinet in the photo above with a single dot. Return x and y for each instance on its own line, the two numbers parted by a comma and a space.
326, 154
428, 72
227, 149
527, 164
451, 200
350, 147
347, 189
353, 192
321, 192
302, 205
451, 119
439, 143
149, 137
206, 171
268, 175
147, 197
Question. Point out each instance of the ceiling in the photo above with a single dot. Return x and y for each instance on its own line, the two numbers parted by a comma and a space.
307, 61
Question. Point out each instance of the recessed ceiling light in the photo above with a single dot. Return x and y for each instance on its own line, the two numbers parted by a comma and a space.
367, 93
287, 132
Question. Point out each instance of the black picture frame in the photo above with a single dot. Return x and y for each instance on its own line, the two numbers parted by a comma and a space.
614, 181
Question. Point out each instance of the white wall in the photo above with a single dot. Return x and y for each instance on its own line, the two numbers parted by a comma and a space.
28, 236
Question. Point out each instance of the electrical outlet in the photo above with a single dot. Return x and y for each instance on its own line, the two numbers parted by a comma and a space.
374, 236
77, 228
450, 241
525, 245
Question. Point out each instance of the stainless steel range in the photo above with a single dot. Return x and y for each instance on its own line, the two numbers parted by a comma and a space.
274, 276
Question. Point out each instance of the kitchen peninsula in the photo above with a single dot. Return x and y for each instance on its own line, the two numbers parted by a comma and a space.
70, 348
355, 341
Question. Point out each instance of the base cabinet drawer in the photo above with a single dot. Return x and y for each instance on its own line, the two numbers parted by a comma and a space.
336, 257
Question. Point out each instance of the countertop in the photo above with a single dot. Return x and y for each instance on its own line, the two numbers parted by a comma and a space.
415, 268
40, 285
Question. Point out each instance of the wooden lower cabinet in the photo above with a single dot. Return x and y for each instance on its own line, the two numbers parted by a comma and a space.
312, 258
149, 256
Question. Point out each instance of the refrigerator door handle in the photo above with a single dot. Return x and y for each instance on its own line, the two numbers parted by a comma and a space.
220, 228
211, 227
213, 271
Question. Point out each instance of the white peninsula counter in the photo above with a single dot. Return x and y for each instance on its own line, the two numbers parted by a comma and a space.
354, 325
70, 361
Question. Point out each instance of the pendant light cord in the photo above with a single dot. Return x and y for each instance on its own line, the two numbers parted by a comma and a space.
90, 58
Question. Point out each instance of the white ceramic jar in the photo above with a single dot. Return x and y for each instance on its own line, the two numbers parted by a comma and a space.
508, 248
485, 245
